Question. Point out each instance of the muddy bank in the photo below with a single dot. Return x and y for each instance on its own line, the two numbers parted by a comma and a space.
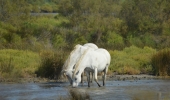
64, 79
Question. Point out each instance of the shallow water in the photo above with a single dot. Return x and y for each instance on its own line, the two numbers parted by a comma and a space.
114, 90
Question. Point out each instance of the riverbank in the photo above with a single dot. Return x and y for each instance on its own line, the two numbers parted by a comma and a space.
64, 79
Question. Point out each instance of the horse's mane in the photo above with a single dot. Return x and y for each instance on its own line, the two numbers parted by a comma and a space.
79, 61
68, 60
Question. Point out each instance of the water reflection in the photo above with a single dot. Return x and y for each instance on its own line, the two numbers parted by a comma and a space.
30, 91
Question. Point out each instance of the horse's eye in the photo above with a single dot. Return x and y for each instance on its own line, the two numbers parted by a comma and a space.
74, 66
77, 73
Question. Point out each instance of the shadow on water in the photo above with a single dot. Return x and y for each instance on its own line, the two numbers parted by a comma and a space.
114, 90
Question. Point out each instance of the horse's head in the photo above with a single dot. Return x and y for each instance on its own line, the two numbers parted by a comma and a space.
76, 79
68, 74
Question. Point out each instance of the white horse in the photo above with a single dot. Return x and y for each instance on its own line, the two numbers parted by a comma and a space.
92, 61
74, 56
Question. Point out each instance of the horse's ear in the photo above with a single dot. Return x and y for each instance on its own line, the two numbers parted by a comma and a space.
77, 46
64, 74
63, 71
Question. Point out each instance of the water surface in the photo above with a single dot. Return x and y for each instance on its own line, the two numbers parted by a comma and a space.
114, 90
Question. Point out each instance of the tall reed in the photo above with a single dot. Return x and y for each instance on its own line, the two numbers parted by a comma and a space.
161, 62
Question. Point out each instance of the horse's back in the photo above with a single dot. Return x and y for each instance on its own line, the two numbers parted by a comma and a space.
91, 45
97, 59
106, 53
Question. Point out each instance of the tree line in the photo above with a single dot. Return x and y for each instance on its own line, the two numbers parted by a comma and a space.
113, 24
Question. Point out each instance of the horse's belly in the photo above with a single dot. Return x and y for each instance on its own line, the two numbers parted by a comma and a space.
89, 69
100, 69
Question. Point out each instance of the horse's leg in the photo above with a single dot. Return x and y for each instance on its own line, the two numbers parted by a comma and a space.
104, 75
92, 75
88, 78
82, 78
95, 77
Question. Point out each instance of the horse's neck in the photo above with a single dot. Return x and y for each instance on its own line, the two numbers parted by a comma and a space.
85, 62
71, 61
81, 65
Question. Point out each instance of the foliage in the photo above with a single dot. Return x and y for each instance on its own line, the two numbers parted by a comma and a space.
145, 16
91, 23
132, 60
161, 62
12, 10
131, 22
111, 24
113, 40
51, 64
46, 8
18, 63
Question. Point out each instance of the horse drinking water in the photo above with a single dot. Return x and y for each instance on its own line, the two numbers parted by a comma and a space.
74, 56
92, 61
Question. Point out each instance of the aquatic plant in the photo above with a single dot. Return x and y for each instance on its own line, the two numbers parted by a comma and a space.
76, 95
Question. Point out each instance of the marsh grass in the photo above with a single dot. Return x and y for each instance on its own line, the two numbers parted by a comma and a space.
132, 60
161, 62
18, 63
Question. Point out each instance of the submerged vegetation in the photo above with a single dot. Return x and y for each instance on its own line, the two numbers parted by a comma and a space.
135, 33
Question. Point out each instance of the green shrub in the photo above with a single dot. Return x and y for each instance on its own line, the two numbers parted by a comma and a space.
58, 41
36, 9
114, 40
132, 60
46, 8
136, 41
148, 40
161, 62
